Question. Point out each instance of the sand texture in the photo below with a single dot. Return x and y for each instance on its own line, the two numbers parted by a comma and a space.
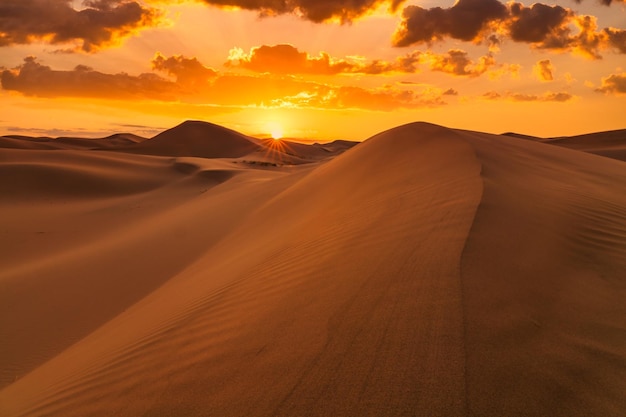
427, 271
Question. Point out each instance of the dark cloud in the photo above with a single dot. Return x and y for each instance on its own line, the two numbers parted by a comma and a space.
35, 79
536, 23
613, 84
100, 24
616, 38
605, 2
314, 10
544, 70
450, 92
466, 20
540, 25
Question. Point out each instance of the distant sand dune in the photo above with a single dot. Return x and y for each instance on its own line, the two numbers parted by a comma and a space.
611, 144
109, 142
426, 271
200, 139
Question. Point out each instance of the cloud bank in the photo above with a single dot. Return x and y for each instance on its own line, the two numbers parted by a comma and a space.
287, 59
314, 10
101, 24
210, 88
489, 21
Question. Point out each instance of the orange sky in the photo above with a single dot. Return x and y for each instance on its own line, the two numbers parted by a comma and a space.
313, 69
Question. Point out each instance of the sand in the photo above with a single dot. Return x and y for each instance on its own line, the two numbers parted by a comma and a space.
427, 271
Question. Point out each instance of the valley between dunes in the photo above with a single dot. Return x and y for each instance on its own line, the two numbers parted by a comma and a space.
427, 271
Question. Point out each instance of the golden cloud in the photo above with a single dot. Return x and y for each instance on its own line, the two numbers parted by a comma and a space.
544, 70
210, 88
287, 59
189, 72
613, 84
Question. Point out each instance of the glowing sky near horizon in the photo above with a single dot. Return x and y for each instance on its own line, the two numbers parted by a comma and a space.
311, 69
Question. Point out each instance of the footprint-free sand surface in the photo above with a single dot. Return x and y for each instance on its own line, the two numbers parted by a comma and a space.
427, 271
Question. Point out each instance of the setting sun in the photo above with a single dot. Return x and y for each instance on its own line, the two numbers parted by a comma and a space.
276, 132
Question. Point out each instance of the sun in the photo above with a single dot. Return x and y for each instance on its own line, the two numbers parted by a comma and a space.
276, 133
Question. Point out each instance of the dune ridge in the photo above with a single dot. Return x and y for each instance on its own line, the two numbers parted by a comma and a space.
426, 271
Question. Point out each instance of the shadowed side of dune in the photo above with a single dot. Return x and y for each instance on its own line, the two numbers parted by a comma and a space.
71, 174
338, 296
544, 283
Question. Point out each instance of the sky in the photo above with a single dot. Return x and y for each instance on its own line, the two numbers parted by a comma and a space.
311, 69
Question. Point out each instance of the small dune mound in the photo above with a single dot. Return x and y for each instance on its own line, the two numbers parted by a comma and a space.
209, 175
68, 174
25, 142
196, 138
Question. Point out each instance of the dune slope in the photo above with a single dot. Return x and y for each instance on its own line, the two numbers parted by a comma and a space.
339, 295
544, 279
89, 241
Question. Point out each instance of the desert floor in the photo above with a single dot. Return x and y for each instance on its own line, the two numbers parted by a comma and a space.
427, 271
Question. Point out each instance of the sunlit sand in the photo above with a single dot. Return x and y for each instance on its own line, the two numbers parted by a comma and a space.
427, 271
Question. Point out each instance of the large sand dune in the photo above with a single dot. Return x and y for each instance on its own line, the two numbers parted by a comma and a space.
427, 271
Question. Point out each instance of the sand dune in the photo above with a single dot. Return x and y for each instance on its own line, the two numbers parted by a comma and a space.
426, 271
43, 143
191, 138
199, 139
611, 144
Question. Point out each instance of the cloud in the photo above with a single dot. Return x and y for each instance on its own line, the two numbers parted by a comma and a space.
511, 96
34, 79
314, 10
287, 59
189, 72
616, 38
385, 99
101, 24
605, 2
457, 62
466, 20
539, 25
210, 88
613, 84
544, 70
286, 92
